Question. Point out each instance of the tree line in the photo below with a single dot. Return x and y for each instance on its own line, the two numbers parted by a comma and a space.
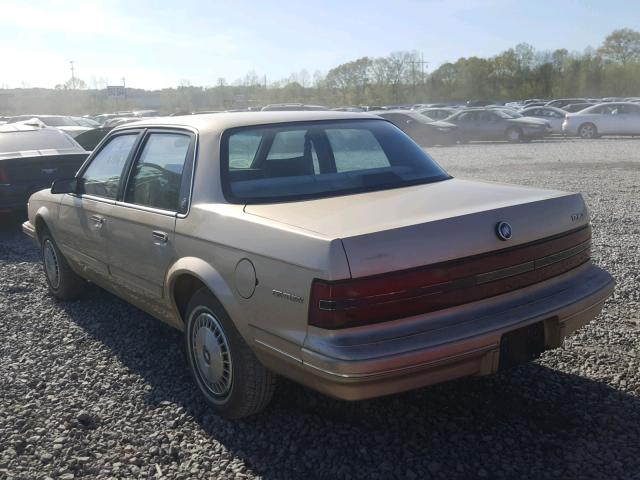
613, 69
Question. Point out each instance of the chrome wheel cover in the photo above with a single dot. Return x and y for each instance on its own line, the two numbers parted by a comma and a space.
51, 265
587, 131
210, 353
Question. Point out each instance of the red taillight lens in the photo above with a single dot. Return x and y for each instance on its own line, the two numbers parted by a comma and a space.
378, 299
401, 294
4, 175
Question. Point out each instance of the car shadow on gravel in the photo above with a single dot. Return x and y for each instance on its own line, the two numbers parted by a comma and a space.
530, 419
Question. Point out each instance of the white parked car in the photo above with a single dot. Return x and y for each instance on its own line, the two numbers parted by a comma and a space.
621, 118
555, 116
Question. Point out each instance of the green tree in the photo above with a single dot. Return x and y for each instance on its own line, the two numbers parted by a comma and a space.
622, 46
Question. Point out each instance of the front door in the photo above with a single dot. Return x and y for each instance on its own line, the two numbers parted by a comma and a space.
142, 224
84, 222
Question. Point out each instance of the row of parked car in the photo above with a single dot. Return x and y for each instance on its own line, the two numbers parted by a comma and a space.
516, 124
35, 149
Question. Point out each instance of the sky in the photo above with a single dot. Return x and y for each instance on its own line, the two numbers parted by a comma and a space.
165, 43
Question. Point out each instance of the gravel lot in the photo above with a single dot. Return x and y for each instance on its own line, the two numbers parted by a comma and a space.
97, 389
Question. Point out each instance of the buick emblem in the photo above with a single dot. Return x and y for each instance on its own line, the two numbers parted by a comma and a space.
503, 230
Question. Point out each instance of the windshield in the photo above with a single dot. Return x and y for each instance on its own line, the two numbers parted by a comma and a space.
317, 159
512, 114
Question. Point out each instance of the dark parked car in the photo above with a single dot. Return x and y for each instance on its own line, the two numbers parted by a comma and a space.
576, 107
31, 158
91, 138
561, 102
497, 124
437, 113
422, 130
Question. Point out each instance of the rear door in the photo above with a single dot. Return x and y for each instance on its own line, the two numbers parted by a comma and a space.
493, 126
143, 219
83, 229
468, 123
629, 119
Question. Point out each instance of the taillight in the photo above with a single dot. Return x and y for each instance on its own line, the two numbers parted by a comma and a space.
4, 175
376, 299
401, 294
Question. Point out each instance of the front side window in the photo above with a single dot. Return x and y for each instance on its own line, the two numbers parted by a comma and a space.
156, 178
319, 159
102, 177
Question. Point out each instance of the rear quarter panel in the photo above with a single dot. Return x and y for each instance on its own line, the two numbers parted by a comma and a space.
216, 237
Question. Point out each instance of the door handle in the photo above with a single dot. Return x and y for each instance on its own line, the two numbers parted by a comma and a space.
97, 220
159, 238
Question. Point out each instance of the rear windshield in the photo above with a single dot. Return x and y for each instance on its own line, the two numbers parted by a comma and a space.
317, 159
45, 139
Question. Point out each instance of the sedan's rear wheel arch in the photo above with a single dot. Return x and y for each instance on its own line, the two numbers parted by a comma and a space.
514, 134
188, 275
185, 287
41, 228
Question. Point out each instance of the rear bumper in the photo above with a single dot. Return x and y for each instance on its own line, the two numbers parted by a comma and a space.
382, 359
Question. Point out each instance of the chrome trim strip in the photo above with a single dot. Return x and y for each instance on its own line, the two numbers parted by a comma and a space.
563, 255
28, 229
400, 370
108, 201
277, 350
504, 272
145, 208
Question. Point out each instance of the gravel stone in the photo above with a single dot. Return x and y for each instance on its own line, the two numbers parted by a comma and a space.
96, 389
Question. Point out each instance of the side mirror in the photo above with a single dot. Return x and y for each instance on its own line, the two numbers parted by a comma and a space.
65, 185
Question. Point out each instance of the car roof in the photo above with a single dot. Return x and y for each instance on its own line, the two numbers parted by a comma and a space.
219, 122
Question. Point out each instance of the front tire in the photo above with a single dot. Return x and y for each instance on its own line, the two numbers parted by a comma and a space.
588, 131
225, 369
63, 282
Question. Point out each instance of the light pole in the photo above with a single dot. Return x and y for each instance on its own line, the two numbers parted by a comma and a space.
73, 76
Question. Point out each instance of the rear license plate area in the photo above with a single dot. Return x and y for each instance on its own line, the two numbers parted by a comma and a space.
521, 345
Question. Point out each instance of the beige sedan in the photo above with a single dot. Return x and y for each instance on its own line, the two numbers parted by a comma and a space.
325, 247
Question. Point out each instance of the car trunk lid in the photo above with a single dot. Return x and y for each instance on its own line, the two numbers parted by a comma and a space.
411, 227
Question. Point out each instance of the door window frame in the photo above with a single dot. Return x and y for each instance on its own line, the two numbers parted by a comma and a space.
96, 152
186, 182
143, 134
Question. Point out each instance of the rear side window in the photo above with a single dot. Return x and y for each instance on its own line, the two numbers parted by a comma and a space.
156, 178
102, 176
45, 139
318, 159
243, 148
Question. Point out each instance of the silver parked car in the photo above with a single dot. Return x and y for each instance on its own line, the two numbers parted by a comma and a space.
621, 118
477, 124
555, 116
325, 247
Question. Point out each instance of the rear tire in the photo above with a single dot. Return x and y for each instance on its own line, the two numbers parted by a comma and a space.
63, 282
225, 369
588, 131
513, 135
